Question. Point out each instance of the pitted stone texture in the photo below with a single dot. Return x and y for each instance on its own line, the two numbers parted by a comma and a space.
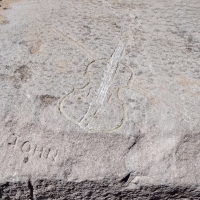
98, 93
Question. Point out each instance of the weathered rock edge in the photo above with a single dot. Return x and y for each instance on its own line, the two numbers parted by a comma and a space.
59, 189
181, 44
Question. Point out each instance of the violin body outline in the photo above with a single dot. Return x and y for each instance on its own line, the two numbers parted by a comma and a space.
85, 108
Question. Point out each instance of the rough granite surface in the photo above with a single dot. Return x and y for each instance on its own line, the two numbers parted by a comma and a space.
100, 99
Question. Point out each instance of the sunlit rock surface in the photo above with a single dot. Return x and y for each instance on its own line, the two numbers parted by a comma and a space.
100, 99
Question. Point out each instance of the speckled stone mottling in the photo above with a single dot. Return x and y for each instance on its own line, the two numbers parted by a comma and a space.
100, 99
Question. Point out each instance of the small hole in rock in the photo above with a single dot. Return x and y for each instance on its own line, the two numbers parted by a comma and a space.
25, 159
126, 178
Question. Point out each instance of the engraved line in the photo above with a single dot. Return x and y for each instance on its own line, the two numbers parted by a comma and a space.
74, 43
109, 73
111, 68
118, 94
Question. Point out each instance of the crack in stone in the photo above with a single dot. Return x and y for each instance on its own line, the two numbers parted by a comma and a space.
30, 186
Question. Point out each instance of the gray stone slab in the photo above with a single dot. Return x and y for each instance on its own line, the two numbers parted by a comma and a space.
100, 99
